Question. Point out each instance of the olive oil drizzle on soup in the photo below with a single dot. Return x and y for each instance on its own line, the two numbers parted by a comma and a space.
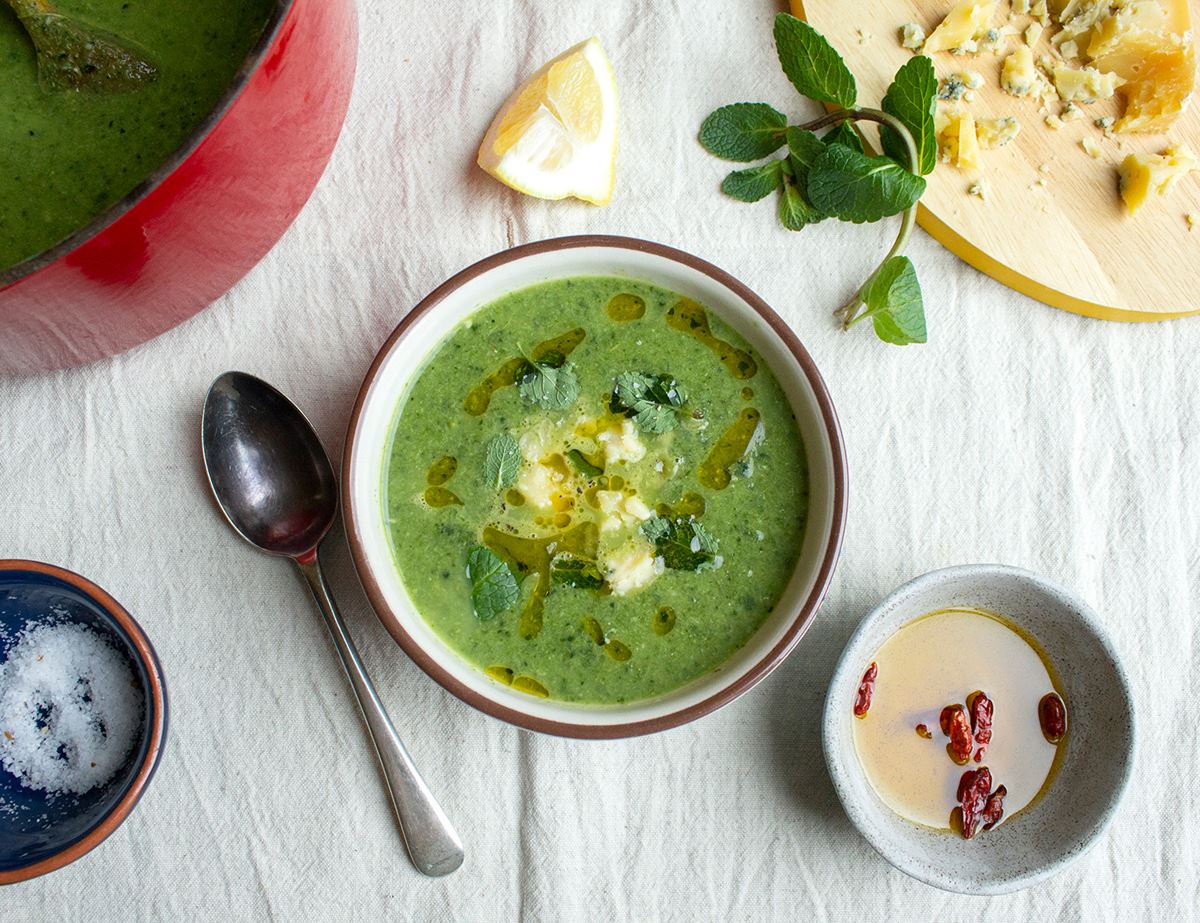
66, 156
583, 545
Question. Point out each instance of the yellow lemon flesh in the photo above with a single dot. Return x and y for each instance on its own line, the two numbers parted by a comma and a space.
556, 135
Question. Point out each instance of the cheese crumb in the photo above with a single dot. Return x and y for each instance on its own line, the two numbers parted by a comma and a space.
1093, 149
538, 484
1192, 220
1017, 76
621, 510
1033, 32
620, 443
912, 36
632, 567
979, 189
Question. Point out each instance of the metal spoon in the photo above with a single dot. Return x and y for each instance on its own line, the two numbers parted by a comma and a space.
275, 485
73, 56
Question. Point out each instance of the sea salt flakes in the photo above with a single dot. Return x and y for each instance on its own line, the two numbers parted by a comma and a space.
69, 709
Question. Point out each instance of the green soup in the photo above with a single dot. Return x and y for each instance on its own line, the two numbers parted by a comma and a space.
596, 491
65, 157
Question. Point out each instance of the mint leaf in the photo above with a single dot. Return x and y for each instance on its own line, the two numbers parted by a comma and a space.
550, 387
894, 303
502, 461
493, 586
912, 98
858, 188
795, 211
844, 133
682, 543
804, 147
809, 61
743, 131
755, 183
578, 573
651, 400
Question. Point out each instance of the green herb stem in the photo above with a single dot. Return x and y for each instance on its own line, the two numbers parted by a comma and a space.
849, 314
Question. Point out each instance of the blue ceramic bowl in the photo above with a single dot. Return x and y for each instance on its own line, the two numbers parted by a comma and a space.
39, 831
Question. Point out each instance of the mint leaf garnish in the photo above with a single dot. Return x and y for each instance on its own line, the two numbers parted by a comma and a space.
567, 570
493, 587
682, 543
502, 461
912, 98
859, 188
743, 132
651, 400
810, 62
894, 304
550, 387
755, 183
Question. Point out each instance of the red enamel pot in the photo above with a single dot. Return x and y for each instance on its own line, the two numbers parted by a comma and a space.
205, 217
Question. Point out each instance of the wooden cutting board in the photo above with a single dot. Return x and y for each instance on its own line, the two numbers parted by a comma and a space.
1067, 242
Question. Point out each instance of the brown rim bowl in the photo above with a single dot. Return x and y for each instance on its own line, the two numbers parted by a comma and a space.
41, 832
418, 337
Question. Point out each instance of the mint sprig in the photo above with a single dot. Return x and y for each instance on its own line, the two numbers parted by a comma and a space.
832, 175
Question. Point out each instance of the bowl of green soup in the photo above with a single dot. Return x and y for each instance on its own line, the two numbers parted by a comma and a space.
595, 487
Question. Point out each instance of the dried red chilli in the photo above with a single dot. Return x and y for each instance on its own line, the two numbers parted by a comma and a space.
993, 810
953, 720
866, 689
981, 708
973, 790
1052, 715
923, 731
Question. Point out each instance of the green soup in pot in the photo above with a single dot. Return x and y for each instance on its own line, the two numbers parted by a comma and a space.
65, 157
596, 491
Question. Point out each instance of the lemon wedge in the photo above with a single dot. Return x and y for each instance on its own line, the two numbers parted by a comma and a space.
556, 135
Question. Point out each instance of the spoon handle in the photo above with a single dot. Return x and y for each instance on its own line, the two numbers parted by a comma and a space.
431, 840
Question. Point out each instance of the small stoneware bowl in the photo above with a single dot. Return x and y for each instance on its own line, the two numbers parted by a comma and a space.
41, 832
1083, 796
410, 347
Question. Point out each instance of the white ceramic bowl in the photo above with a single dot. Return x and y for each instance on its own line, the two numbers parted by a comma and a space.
1100, 745
418, 337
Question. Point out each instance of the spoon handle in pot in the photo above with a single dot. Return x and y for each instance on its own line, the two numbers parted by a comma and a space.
431, 840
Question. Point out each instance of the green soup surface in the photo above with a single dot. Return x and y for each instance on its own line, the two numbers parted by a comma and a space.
67, 156
586, 547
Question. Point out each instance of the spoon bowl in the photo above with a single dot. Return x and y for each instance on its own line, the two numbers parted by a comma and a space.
269, 473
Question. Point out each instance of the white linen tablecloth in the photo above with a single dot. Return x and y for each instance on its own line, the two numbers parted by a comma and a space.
1019, 434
